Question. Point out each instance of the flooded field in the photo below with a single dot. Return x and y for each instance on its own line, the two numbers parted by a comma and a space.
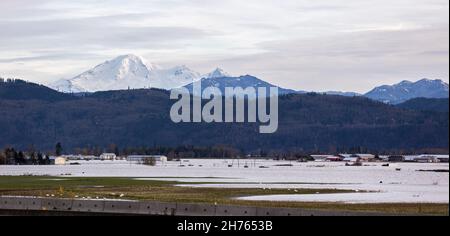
397, 183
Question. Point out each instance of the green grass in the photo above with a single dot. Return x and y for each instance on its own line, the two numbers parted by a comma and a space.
166, 191
132, 189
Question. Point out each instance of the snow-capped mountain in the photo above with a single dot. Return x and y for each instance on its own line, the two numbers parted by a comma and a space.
217, 73
174, 77
127, 72
242, 81
406, 90
66, 86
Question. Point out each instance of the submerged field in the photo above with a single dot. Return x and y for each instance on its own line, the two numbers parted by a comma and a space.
168, 191
400, 188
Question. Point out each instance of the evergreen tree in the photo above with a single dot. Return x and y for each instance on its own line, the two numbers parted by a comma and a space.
58, 149
40, 159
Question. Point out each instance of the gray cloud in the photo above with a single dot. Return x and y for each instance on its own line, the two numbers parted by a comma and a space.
106, 32
303, 44
355, 61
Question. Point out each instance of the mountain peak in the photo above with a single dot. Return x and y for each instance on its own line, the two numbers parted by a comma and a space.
217, 73
181, 68
129, 57
131, 60
244, 81
127, 72
126, 59
430, 81
404, 82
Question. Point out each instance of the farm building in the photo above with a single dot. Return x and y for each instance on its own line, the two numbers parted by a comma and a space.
433, 158
442, 158
108, 156
396, 158
425, 159
320, 157
366, 157
410, 158
80, 157
141, 158
334, 158
60, 161
352, 159
362, 157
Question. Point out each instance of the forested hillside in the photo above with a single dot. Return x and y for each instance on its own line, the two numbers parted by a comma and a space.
38, 116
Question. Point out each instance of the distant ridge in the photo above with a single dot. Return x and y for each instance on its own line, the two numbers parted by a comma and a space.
242, 81
426, 104
406, 90
345, 94
16, 89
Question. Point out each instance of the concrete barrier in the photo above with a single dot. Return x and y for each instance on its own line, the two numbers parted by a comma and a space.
157, 208
119, 207
32, 203
290, 212
88, 205
273, 212
15, 203
184, 209
49, 204
129, 207
224, 210
9, 203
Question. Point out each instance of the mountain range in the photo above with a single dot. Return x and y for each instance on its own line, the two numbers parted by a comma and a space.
133, 72
407, 90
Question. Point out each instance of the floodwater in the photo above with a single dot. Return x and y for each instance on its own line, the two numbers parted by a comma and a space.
398, 183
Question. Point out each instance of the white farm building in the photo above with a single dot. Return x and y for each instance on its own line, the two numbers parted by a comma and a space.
60, 161
108, 156
140, 158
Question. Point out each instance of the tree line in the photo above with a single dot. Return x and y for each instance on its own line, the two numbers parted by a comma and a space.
11, 156
227, 151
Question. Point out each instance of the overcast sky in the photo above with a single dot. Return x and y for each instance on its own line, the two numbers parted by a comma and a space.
347, 45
